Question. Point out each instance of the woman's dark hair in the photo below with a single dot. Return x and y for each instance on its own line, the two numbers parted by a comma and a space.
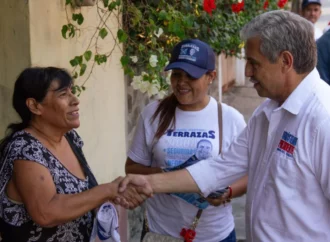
166, 112
34, 83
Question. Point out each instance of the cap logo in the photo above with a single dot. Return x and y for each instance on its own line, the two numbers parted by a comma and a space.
188, 51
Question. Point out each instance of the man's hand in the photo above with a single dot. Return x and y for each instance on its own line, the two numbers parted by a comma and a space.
130, 198
222, 200
140, 182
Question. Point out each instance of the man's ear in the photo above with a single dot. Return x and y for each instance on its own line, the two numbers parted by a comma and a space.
286, 59
33, 106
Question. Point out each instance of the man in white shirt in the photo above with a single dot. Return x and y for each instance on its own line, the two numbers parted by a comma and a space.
311, 10
285, 147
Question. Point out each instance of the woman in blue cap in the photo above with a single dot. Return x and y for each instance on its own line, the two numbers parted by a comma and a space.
178, 131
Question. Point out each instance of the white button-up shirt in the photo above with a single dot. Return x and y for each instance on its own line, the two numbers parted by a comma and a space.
286, 152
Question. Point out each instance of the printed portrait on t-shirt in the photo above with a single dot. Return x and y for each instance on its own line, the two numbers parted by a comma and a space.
204, 149
184, 147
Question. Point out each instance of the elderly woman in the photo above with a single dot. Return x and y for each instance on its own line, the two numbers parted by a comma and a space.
47, 190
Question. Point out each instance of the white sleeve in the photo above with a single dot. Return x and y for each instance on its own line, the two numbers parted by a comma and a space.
233, 125
213, 174
321, 155
139, 151
239, 126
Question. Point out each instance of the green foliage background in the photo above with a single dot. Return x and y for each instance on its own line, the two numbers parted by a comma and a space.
141, 20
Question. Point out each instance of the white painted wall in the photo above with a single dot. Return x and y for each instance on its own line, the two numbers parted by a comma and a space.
102, 107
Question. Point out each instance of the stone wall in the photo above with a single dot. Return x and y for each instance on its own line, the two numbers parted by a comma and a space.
136, 101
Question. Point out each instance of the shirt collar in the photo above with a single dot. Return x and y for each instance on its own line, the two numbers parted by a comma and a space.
297, 98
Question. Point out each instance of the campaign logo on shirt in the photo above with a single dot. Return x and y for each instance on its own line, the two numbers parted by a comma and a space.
287, 144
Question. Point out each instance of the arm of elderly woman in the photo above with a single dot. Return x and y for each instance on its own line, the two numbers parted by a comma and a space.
33, 185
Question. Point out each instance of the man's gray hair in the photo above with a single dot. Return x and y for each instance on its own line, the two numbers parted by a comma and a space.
284, 31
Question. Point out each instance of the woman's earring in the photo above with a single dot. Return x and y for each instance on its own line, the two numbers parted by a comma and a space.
210, 83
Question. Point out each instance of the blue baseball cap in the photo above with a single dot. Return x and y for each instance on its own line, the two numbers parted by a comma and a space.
192, 56
305, 3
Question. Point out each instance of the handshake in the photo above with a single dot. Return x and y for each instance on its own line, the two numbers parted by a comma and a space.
130, 191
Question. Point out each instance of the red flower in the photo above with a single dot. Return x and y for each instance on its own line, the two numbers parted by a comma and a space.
209, 6
237, 7
188, 234
281, 3
266, 3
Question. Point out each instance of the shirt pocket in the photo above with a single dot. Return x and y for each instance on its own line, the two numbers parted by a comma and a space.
284, 176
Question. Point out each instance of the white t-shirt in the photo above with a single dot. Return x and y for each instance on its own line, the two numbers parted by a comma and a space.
168, 214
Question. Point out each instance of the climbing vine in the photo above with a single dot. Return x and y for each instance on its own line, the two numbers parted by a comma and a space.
148, 30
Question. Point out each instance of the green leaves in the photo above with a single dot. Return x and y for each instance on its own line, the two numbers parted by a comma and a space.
141, 47
152, 28
103, 33
124, 60
82, 69
135, 15
176, 28
75, 75
100, 59
64, 31
77, 90
88, 55
78, 17
76, 61
188, 21
106, 3
114, 4
68, 28
122, 36
162, 15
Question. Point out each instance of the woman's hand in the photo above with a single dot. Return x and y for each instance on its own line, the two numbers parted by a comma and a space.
113, 188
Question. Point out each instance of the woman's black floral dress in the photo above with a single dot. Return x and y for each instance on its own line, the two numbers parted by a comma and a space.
15, 223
